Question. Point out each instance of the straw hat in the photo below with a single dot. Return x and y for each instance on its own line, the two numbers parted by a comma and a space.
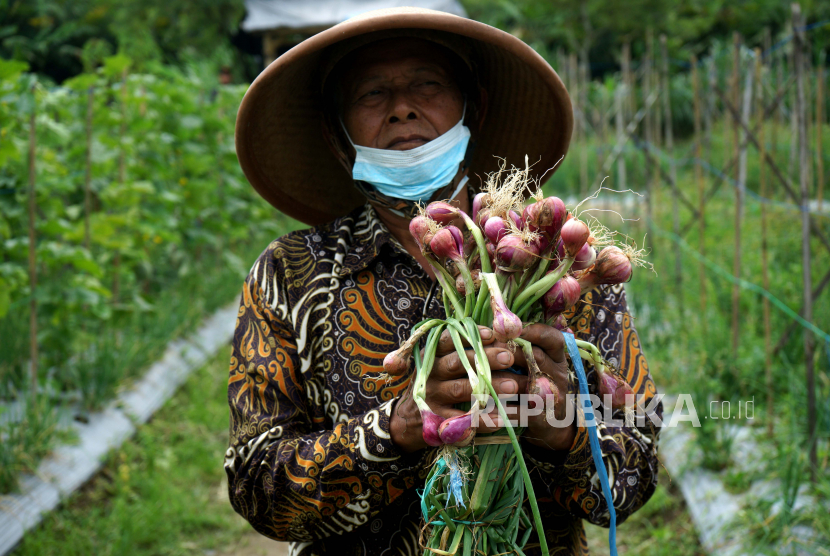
279, 138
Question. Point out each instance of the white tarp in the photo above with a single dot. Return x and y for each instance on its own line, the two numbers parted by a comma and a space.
265, 15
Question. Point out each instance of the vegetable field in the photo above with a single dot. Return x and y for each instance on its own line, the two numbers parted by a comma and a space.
727, 154
124, 219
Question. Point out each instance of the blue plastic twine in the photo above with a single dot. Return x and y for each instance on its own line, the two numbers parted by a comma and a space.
596, 451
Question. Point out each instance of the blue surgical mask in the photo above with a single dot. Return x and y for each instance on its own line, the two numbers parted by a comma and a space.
416, 174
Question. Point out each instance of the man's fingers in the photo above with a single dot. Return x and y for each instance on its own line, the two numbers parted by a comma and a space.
548, 338
446, 345
509, 383
540, 356
449, 367
447, 412
448, 392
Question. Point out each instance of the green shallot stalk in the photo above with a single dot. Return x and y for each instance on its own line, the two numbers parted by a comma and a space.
531, 495
481, 246
534, 291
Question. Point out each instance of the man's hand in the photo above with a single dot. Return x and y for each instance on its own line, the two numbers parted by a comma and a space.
549, 353
448, 385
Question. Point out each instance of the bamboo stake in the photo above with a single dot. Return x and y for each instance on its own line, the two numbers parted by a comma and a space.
779, 110
701, 189
583, 101
122, 131
122, 176
793, 123
658, 124
603, 118
773, 77
710, 107
626, 75
618, 121
746, 111
669, 135
649, 136
762, 179
803, 163
33, 349
819, 130
88, 168
573, 84
736, 51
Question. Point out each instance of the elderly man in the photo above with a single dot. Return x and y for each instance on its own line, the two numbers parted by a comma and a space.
395, 107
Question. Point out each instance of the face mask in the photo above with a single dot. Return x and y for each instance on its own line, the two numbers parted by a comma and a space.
415, 174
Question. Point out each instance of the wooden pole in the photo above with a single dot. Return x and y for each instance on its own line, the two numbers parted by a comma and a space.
701, 189
819, 130
803, 163
775, 84
658, 123
603, 119
618, 121
669, 136
33, 350
736, 60
583, 101
122, 176
762, 179
122, 131
779, 108
709, 115
573, 85
648, 129
88, 167
626, 77
793, 123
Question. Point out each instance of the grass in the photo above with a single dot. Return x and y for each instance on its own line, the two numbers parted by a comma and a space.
689, 346
163, 493
662, 527
120, 350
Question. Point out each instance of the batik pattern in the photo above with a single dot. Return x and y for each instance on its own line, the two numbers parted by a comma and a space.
311, 458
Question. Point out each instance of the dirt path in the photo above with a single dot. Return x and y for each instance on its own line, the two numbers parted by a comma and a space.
253, 544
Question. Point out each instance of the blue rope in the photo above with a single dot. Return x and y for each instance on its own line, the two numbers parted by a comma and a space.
596, 451
441, 465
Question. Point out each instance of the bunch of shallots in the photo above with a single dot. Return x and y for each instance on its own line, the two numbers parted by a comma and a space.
507, 264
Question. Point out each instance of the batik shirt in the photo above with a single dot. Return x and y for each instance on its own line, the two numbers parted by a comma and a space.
311, 459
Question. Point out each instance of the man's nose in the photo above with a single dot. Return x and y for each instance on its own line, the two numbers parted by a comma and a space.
402, 108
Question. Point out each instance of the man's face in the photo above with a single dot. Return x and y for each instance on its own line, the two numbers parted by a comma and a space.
399, 94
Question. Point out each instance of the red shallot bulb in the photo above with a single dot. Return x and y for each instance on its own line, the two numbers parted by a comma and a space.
514, 254
611, 267
574, 235
429, 427
584, 258
620, 391
448, 243
506, 325
419, 228
562, 296
479, 201
442, 212
495, 228
458, 430
546, 216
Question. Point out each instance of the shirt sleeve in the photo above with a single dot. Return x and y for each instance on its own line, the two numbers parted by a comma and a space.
292, 480
629, 452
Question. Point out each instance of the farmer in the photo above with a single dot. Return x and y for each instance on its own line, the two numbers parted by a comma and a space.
347, 132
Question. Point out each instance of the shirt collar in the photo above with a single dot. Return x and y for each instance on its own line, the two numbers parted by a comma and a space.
363, 241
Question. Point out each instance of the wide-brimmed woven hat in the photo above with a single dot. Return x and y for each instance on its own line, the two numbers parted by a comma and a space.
279, 138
